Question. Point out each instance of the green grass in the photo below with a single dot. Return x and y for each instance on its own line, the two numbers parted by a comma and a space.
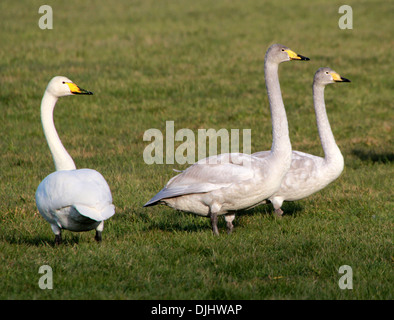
200, 64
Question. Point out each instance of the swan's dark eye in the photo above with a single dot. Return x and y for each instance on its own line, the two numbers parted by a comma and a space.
326, 72
63, 82
283, 49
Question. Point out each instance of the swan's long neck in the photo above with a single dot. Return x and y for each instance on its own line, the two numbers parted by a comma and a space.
61, 158
281, 146
330, 148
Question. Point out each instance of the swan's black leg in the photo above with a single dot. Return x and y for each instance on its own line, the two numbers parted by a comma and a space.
99, 230
229, 222
214, 223
98, 236
58, 239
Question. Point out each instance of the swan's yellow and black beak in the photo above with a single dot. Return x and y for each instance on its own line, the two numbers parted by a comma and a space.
77, 90
337, 78
295, 56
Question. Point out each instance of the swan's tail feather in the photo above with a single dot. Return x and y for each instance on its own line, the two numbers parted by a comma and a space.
155, 200
94, 214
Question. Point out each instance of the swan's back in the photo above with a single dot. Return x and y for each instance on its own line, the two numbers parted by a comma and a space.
84, 189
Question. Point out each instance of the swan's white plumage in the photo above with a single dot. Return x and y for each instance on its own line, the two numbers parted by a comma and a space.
76, 200
86, 190
231, 175
223, 184
308, 173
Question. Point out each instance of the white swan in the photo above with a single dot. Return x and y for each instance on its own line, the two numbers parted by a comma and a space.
76, 200
308, 173
223, 184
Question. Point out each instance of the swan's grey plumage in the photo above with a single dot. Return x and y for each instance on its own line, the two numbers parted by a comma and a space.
308, 173
71, 199
223, 184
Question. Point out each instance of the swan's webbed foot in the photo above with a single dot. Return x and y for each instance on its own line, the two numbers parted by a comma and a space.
278, 212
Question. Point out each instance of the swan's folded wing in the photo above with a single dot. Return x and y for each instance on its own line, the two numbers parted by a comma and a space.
209, 174
261, 154
304, 167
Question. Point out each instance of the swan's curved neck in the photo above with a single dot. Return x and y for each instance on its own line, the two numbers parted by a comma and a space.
281, 145
61, 158
330, 148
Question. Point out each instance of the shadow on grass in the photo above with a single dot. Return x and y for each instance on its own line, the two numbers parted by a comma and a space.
370, 155
293, 209
289, 209
42, 241
162, 218
178, 221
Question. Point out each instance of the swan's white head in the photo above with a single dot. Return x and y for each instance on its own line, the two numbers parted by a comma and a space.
278, 53
61, 86
325, 76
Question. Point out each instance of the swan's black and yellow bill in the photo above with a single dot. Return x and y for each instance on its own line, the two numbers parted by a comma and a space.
77, 90
295, 56
337, 78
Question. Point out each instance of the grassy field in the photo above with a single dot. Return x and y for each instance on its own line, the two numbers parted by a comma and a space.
200, 64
